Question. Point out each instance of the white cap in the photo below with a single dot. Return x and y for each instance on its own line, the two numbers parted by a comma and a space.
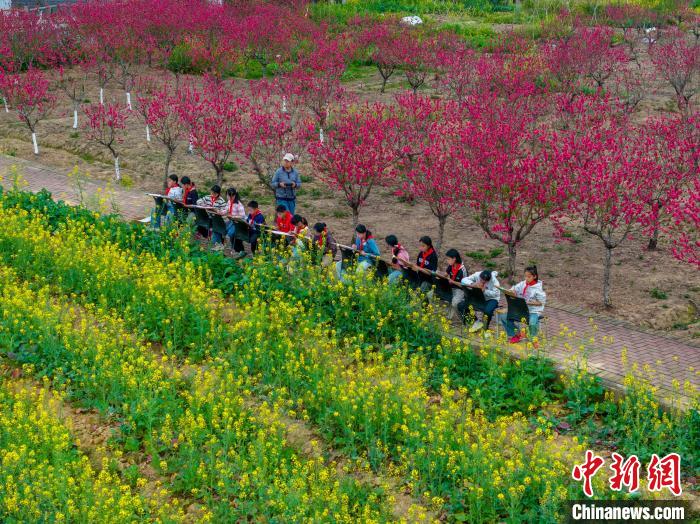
288, 157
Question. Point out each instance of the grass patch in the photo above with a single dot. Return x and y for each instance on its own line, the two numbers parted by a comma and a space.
358, 71
477, 35
658, 294
87, 157
485, 255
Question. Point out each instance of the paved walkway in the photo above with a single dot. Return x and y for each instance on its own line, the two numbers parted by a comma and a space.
669, 359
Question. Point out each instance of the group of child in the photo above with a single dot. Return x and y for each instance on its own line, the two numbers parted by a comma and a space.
367, 252
530, 289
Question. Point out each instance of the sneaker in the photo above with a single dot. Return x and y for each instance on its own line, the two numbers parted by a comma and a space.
476, 326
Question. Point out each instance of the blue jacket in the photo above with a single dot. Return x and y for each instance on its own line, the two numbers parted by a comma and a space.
369, 247
254, 223
285, 177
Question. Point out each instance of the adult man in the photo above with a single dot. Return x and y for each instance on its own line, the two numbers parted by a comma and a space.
285, 182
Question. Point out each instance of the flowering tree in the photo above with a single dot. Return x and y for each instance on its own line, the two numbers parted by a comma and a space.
519, 179
459, 71
668, 162
437, 176
74, 86
316, 81
585, 56
160, 110
685, 226
272, 129
147, 87
104, 71
105, 123
29, 94
633, 21
678, 62
387, 41
267, 33
216, 122
417, 60
608, 172
360, 153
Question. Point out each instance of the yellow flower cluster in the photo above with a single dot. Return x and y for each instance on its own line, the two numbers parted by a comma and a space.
166, 301
235, 459
86, 350
380, 408
43, 478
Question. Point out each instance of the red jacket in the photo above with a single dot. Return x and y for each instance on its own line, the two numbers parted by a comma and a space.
284, 223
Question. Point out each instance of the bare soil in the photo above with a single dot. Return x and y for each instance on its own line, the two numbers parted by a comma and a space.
650, 289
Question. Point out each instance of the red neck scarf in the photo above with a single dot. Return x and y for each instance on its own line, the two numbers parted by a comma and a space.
528, 285
455, 269
213, 200
322, 238
230, 207
397, 249
299, 228
253, 215
425, 256
363, 242
167, 191
186, 192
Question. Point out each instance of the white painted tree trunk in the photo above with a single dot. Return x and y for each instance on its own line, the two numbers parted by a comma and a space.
117, 172
190, 148
128, 100
102, 96
4, 101
36, 146
148, 133
284, 104
75, 119
320, 135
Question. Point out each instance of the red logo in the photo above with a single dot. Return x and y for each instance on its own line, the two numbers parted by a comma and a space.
661, 472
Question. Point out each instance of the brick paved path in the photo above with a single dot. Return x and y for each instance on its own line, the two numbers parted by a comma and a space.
670, 359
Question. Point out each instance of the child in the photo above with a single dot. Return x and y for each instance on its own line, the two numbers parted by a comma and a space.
488, 283
531, 290
399, 255
234, 209
213, 200
366, 247
283, 219
255, 219
189, 192
325, 242
219, 204
455, 273
300, 228
173, 191
427, 259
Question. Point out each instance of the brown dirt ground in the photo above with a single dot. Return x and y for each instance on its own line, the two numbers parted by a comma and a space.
571, 271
